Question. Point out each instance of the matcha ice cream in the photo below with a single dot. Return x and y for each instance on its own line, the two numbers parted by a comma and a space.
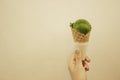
81, 29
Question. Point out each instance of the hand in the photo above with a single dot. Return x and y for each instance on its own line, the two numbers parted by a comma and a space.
78, 67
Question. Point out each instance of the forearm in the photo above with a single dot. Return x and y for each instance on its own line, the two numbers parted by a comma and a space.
79, 77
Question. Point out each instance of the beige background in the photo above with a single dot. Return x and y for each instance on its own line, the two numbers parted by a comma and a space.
36, 41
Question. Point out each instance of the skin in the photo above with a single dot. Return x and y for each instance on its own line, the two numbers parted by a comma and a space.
78, 67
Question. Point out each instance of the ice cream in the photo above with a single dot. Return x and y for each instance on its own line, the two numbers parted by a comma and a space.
81, 29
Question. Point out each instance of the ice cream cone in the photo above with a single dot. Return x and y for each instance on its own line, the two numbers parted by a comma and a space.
80, 41
81, 29
80, 37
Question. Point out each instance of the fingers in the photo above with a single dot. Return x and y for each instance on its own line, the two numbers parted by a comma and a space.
86, 67
76, 60
87, 59
85, 63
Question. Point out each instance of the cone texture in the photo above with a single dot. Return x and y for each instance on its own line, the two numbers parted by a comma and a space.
80, 37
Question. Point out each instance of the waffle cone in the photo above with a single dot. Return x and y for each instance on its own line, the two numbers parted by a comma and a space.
80, 37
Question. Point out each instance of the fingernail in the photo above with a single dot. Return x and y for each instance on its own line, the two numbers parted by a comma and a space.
77, 51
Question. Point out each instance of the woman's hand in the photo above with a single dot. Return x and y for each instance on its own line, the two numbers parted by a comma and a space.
78, 67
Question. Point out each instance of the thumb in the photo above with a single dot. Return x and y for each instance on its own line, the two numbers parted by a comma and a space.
78, 57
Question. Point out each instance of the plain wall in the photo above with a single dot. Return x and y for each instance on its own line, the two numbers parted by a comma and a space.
36, 41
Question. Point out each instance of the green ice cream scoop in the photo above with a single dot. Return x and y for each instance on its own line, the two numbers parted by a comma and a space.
81, 25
